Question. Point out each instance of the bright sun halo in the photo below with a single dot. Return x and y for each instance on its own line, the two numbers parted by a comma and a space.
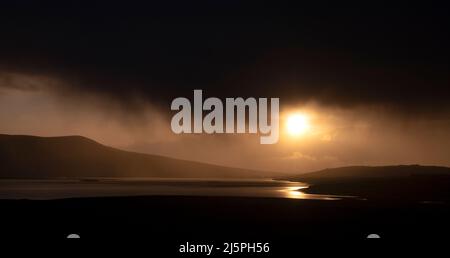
297, 124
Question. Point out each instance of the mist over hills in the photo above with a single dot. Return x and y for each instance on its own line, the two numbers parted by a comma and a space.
27, 157
32, 157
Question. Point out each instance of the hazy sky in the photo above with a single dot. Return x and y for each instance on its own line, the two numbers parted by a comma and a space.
372, 79
363, 135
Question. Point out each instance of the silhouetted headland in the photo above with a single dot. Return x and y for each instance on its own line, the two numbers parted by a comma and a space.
399, 183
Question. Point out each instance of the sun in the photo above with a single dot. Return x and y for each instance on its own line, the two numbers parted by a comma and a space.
297, 124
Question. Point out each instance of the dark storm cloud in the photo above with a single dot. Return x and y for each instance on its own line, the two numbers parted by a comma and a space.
338, 55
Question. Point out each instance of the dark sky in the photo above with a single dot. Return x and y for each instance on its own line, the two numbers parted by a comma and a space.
336, 54
372, 78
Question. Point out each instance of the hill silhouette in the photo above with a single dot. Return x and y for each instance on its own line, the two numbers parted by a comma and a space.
403, 182
368, 172
79, 157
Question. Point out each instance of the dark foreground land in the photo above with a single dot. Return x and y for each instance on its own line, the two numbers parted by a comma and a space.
164, 223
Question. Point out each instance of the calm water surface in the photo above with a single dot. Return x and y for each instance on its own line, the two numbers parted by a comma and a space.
56, 189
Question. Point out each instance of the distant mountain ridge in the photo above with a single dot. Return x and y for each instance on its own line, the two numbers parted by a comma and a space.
370, 172
23, 156
33, 157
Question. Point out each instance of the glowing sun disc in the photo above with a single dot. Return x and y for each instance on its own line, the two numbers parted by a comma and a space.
297, 124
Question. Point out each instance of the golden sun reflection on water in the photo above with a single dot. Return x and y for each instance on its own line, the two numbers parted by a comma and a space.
294, 192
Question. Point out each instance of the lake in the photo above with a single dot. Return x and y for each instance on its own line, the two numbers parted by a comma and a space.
103, 187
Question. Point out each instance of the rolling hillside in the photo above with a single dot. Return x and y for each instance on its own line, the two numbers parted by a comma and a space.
79, 157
